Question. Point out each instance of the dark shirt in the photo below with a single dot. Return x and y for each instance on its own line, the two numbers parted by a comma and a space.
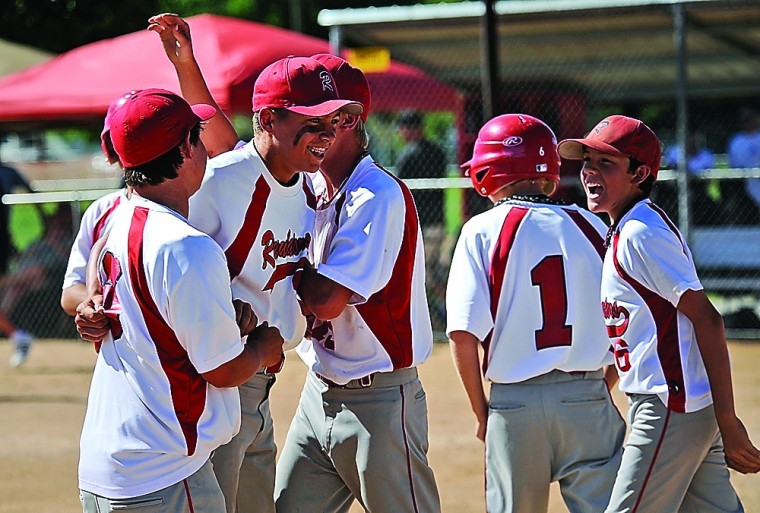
10, 179
423, 159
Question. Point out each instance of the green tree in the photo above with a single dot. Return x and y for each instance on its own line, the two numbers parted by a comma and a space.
60, 25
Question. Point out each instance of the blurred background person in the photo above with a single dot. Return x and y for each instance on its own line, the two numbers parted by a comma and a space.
743, 203
705, 194
10, 181
28, 294
422, 158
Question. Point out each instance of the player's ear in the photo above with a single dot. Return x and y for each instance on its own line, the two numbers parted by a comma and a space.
186, 149
641, 173
349, 121
266, 119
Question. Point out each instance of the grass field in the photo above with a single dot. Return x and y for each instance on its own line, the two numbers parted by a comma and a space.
43, 405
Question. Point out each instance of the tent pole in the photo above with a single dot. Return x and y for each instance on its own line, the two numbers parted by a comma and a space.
296, 15
336, 40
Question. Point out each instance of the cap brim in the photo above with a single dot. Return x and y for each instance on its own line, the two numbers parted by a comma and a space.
572, 149
328, 107
203, 111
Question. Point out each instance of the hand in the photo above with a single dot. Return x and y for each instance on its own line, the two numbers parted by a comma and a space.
481, 425
267, 343
175, 37
244, 316
741, 455
92, 322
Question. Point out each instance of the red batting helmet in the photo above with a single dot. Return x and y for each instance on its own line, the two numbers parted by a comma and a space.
509, 148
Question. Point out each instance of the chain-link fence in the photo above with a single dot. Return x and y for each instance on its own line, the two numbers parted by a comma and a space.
688, 69
37, 253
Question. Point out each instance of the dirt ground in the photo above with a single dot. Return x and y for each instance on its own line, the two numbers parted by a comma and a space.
43, 403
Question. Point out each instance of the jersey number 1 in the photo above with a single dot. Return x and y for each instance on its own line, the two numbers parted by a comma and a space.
549, 277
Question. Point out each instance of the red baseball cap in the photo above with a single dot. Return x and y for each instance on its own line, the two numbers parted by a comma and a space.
621, 136
151, 122
301, 85
104, 134
352, 84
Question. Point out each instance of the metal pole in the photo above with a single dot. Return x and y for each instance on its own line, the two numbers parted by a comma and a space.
336, 40
682, 120
489, 55
296, 18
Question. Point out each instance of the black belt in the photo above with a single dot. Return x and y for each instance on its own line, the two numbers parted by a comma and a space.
363, 382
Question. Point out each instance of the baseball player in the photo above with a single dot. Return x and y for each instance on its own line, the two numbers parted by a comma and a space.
169, 359
360, 430
95, 223
523, 284
670, 349
259, 207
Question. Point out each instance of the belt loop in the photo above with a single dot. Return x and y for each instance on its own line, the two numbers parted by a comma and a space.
366, 381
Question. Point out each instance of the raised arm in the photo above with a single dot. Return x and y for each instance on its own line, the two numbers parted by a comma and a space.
219, 135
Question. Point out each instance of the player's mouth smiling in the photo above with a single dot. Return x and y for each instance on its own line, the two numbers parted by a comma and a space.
317, 151
594, 189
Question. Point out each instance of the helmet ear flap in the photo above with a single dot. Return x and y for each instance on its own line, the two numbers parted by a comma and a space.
481, 174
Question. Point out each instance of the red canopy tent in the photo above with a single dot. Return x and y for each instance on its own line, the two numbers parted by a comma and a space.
79, 85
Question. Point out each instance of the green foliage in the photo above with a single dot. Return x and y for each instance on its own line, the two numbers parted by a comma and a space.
25, 225
243, 126
60, 25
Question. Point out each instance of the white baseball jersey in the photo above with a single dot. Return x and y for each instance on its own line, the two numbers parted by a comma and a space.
96, 222
265, 230
523, 280
646, 269
152, 420
368, 239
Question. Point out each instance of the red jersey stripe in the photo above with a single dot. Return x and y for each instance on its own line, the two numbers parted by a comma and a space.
240, 248
666, 322
311, 199
588, 230
670, 224
187, 387
388, 311
501, 251
97, 231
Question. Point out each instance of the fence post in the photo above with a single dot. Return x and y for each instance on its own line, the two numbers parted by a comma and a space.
682, 121
490, 57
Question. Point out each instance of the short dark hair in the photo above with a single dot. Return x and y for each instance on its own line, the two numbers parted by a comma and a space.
410, 119
161, 168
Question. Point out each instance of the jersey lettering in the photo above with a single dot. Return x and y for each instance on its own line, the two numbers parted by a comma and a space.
282, 271
274, 249
622, 355
549, 277
619, 316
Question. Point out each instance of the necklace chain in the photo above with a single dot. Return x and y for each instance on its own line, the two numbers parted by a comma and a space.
530, 198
